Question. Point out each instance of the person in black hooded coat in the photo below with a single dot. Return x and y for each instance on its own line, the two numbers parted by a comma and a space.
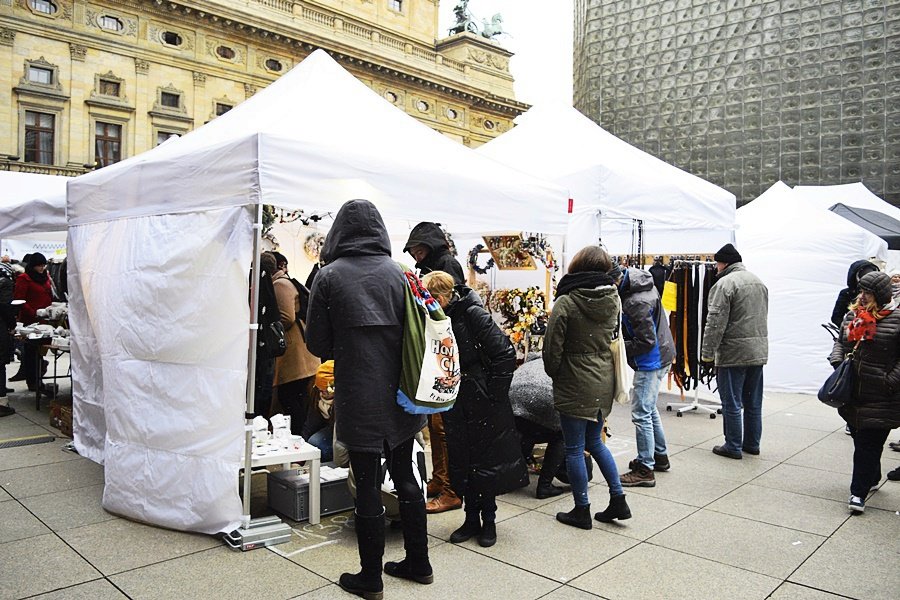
428, 245
847, 295
356, 316
484, 447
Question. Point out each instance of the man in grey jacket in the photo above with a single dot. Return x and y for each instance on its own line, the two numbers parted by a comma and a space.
736, 339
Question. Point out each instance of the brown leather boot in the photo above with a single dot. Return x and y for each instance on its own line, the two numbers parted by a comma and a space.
440, 480
443, 503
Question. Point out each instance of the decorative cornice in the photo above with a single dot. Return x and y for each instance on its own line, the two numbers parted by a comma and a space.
199, 79
7, 36
141, 67
77, 51
170, 116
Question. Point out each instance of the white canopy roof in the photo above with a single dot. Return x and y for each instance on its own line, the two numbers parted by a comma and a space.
314, 139
848, 194
802, 253
32, 204
606, 175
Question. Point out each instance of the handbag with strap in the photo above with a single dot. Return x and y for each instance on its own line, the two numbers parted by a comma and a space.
623, 372
838, 388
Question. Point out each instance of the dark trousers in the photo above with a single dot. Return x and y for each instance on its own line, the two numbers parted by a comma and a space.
30, 359
367, 474
294, 399
262, 400
479, 504
868, 445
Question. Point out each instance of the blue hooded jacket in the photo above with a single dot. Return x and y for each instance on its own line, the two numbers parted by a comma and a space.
648, 341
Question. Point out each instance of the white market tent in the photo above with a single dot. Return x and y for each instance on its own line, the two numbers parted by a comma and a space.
612, 182
160, 247
855, 195
801, 252
32, 206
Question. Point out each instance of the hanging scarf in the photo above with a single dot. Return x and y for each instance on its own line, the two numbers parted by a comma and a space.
38, 278
584, 280
864, 323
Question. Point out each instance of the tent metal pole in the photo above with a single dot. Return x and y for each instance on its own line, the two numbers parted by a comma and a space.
251, 361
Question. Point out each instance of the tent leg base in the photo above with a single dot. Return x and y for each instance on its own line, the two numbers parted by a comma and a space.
709, 409
262, 532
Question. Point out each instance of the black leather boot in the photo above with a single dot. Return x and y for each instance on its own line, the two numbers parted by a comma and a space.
370, 541
470, 528
415, 566
617, 509
580, 517
553, 458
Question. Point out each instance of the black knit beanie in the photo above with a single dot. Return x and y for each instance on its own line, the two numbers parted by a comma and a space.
728, 254
36, 259
879, 284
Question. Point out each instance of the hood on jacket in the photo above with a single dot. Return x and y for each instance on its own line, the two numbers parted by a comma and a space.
358, 230
427, 234
467, 297
596, 304
857, 270
635, 280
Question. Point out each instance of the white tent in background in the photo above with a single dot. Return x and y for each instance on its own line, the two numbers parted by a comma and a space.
801, 252
32, 210
160, 247
856, 195
612, 182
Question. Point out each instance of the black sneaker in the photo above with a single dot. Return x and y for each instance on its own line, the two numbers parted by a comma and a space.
661, 462
894, 475
722, 451
5, 411
857, 504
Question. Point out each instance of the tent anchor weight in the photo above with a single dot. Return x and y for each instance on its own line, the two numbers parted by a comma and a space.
261, 532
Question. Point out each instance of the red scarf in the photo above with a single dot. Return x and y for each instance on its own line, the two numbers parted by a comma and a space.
863, 325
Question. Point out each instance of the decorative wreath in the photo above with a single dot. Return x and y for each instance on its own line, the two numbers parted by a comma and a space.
473, 260
313, 246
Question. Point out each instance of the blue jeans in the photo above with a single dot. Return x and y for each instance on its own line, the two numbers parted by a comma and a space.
648, 429
322, 440
579, 434
741, 388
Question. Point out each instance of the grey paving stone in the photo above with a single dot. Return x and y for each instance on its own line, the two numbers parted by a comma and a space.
110, 545
327, 592
99, 589
807, 481
870, 540
701, 461
524, 497
219, 573
4, 496
569, 593
825, 457
16, 426
34, 455
792, 591
887, 497
819, 422
697, 490
521, 539
650, 515
742, 543
780, 442
69, 509
44, 564
53, 477
19, 524
785, 509
441, 525
648, 572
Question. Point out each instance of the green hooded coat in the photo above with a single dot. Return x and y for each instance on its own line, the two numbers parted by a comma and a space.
576, 351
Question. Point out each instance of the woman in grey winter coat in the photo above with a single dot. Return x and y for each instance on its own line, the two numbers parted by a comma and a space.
356, 317
871, 330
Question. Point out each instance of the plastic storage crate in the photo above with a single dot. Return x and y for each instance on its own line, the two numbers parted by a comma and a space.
289, 495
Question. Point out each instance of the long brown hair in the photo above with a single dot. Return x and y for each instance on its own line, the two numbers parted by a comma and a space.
590, 258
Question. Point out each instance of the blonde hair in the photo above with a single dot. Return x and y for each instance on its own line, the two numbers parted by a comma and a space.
440, 284
872, 307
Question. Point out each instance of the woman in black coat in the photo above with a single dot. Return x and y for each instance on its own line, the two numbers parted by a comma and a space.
871, 330
485, 453
356, 315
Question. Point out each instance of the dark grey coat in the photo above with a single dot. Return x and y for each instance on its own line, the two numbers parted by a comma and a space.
736, 333
356, 317
648, 340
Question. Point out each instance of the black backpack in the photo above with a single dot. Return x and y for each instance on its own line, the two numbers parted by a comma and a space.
300, 316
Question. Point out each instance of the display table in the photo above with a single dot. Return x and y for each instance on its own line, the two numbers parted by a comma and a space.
39, 347
305, 452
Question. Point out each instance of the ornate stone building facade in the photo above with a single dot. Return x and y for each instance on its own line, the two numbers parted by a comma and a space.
90, 82
747, 92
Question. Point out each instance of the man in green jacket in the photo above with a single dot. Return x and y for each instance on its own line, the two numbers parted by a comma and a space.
736, 339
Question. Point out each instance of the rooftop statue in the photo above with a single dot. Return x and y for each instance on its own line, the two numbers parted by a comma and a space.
464, 19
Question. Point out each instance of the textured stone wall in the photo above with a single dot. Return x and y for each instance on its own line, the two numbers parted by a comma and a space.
747, 92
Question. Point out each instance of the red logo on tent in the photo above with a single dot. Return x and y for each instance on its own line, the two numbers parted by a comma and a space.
571, 203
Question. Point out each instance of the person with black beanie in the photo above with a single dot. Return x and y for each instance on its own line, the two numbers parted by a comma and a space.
34, 287
847, 295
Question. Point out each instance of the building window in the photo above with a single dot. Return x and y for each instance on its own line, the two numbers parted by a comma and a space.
396, 5
40, 75
225, 52
170, 100
222, 108
108, 140
111, 23
39, 137
110, 88
274, 65
43, 6
163, 136
171, 38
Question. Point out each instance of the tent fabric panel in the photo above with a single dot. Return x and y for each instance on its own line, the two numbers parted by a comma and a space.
31, 203
880, 224
166, 298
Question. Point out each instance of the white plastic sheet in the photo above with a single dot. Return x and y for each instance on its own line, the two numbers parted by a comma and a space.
802, 253
164, 315
31, 203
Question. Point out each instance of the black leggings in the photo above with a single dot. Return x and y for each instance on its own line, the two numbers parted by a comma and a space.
367, 473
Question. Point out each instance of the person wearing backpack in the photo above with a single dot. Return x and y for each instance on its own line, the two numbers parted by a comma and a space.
356, 317
485, 453
296, 368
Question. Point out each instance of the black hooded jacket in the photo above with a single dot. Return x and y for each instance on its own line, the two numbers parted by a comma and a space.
439, 257
848, 294
356, 317
484, 451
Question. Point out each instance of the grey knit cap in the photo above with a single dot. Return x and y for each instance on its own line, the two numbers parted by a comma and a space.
879, 283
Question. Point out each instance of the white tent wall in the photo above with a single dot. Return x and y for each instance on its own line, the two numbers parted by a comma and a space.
31, 203
801, 252
162, 295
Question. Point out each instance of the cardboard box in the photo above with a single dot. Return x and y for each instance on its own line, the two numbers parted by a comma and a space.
288, 494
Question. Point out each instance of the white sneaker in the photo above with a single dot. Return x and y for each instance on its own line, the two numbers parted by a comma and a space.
857, 504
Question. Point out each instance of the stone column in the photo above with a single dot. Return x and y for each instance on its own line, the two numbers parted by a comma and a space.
9, 138
77, 151
144, 97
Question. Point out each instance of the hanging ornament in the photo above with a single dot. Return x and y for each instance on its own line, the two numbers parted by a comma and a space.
313, 246
473, 260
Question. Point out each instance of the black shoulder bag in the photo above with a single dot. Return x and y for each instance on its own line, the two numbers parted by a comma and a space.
838, 388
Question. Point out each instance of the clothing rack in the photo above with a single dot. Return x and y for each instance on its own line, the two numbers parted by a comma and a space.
711, 407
